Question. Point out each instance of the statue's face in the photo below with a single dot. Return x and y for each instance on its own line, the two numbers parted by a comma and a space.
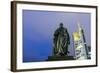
61, 24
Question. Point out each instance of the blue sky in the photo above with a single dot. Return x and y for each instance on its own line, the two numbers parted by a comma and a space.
39, 27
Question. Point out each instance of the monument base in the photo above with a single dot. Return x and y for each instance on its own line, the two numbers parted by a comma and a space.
59, 58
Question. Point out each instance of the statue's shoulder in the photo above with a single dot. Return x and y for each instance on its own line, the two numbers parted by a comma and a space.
65, 28
56, 31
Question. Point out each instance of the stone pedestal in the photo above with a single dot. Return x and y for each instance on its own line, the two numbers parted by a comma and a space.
59, 58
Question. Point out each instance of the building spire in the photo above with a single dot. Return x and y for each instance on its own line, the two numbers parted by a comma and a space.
79, 26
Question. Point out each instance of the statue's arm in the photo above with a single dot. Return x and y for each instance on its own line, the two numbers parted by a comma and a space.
68, 37
55, 41
55, 36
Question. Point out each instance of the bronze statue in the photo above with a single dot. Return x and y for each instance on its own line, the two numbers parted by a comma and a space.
61, 41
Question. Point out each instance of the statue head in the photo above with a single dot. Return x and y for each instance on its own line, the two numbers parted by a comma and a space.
61, 25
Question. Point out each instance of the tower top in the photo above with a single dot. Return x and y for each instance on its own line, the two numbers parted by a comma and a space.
79, 26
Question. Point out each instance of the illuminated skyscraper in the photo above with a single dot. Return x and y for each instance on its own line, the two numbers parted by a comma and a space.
80, 44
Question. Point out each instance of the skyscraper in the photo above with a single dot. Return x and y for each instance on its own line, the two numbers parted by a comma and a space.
80, 44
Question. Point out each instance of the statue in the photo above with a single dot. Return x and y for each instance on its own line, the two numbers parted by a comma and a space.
61, 41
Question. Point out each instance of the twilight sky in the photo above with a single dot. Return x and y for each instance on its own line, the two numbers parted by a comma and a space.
39, 27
